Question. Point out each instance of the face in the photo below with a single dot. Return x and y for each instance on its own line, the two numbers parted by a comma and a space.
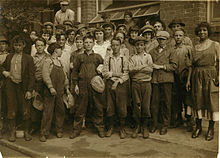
162, 42
68, 27
115, 46
88, 44
46, 36
71, 36
140, 46
58, 52
3, 46
108, 31
83, 32
79, 44
59, 31
99, 36
134, 34
127, 18
120, 36
147, 35
178, 36
63, 7
203, 33
158, 26
62, 41
122, 29
175, 27
19, 47
49, 28
40, 46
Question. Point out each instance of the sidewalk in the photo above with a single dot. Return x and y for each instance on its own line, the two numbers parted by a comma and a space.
89, 144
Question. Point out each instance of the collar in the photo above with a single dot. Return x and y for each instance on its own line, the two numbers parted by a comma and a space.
112, 56
178, 46
90, 53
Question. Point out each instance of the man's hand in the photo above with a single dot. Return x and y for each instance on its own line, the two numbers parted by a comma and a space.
53, 91
68, 91
6, 73
28, 95
155, 66
77, 89
115, 84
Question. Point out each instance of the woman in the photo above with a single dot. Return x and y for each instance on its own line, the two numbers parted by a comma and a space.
205, 62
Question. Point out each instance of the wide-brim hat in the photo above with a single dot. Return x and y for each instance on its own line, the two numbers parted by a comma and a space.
147, 28
162, 35
80, 26
98, 84
109, 25
176, 21
48, 24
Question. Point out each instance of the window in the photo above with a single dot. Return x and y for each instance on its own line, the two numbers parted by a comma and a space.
213, 13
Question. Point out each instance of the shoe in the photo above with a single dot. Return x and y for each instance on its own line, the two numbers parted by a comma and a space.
12, 137
135, 133
196, 132
209, 135
27, 136
109, 132
59, 134
74, 135
43, 138
153, 129
122, 134
101, 133
145, 133
163, 131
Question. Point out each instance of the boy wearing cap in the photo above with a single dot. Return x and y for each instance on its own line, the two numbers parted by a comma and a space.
174, 25
49, 26
115, 70
64, 13
141, 68
68, 24
3, 55
18, 69
165, 63
84, 69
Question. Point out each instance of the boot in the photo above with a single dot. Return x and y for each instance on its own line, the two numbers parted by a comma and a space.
74, 134
189, 124
109, 132
145, 128
43, 138
122, 132
210, 133
11, 126
198, 129
135, 131
101, 132
27, 136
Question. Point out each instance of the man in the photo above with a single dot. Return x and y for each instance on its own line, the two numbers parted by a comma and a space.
109, 30
64, 13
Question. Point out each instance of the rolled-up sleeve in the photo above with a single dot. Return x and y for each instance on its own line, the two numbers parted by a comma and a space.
47, 67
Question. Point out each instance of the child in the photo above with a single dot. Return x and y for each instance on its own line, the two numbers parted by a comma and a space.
18, 69
116, 72
165, 63
140, 67
39, 59
84, 69
56, 81
3, 55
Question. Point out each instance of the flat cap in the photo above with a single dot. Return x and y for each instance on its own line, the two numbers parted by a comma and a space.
64, 2
147, 28
48, 23
162, 34
60, 26
140, 39
98, 84
176, 21
68, 22
3, 39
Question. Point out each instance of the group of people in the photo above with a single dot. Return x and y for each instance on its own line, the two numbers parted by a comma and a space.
120, 72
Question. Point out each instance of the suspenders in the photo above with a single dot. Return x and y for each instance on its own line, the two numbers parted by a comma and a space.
122, 64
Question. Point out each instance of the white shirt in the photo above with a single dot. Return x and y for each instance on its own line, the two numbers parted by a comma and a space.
60, 16
101, 49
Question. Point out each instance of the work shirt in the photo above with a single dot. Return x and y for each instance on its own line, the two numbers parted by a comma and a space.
137, 61
61, 16
113, 64
34, 50
101, 49
186, 41
15, 71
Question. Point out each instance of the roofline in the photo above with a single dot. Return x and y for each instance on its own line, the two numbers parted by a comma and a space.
129, 7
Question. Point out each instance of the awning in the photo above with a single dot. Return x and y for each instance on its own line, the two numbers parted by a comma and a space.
137, 11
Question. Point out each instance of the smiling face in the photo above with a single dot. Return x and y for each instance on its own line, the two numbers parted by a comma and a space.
40, 46
140, 46
203, 33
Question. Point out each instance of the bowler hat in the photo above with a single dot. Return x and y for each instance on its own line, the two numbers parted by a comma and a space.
176, 21
98, 84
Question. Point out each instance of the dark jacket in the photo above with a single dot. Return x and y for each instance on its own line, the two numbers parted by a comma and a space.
167, 58
27, 70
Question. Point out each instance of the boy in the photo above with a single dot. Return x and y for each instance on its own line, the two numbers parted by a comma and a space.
18, 69
115, 71
39, 59
84, 69
56, 81
140, 67
163, 76
3, 55
183, 52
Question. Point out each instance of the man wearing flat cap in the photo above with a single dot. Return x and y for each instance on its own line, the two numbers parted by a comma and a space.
68, 24
64, 13
48, 26
165, 63
174, 25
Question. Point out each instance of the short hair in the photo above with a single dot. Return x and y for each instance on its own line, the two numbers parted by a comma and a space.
40, 39
128, 13
79, 37
58, 36
203, 24
99, 30
121, 33
162, 23
88, 36
18, 38
68, 32
116, 39
51, 48
181, 29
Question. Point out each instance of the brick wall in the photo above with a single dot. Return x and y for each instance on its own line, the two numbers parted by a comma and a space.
88, 10
191, 12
